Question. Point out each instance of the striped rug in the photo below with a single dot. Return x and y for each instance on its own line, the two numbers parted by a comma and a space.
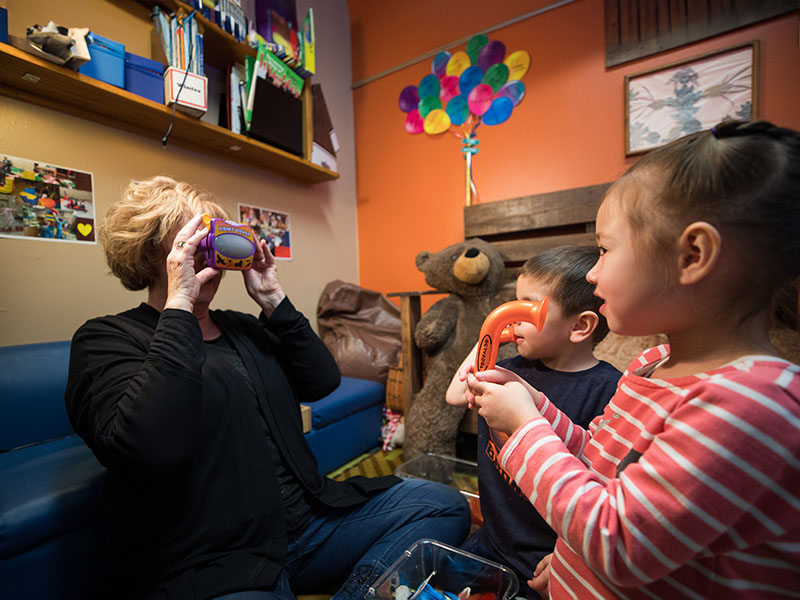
371, 464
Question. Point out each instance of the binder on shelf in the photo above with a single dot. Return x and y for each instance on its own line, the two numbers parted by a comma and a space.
277, 117
236, 84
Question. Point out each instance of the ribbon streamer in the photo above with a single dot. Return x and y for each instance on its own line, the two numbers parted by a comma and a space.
470, 147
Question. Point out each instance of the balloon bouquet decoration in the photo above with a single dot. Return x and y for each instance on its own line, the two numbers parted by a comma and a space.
465, 89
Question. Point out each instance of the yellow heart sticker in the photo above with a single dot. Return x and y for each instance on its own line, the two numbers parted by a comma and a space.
85, 229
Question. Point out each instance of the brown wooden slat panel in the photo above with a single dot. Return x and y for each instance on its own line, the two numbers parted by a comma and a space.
553, 209
662, 10
688, 21
648, 26
522, 249
628, 22
698, 14
612, 23
677, 15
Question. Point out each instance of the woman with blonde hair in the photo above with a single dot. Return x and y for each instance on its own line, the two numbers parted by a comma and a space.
212, 490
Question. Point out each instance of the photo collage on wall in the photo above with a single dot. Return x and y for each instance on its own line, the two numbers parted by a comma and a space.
269, 225
45, 202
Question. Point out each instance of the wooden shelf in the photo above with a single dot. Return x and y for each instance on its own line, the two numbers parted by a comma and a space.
30, 79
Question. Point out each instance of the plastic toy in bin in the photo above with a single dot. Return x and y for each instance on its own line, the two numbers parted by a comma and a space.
228, 245
431, 570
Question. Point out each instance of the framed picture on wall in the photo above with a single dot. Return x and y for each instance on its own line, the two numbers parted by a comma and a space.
272, 226
674, 100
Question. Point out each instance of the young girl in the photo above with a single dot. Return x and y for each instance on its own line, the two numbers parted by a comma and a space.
687, 485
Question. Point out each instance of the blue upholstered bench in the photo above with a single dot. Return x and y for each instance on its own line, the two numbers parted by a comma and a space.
346, 423
51, 502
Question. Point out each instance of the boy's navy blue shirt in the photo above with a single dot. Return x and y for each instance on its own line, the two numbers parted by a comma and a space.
514, 533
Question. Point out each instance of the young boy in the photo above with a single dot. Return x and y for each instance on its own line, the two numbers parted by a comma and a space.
559, 362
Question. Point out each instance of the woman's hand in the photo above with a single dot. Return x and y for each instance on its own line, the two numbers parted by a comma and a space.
261, 282
540, 582
183, 284
503, 399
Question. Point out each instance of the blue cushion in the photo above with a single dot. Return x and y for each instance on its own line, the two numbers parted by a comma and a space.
344, 440
351, 396
49, 489
32, 380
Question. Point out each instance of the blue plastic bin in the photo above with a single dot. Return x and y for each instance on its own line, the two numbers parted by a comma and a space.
144, 77
108, 60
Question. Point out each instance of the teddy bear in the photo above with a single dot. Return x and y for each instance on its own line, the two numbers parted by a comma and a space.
472, 273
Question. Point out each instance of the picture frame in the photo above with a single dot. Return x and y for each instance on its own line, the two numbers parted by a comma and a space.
673, 100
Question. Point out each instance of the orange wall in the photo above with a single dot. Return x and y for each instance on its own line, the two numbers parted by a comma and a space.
567, 131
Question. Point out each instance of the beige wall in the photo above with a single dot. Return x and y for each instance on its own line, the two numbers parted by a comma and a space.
48, 289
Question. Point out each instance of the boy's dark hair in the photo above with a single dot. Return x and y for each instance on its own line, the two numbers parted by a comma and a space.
744, 179
564, 269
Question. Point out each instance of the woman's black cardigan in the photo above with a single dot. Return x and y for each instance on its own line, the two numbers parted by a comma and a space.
192, 499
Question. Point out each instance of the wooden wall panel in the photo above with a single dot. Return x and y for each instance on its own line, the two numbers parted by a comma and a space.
637, 28
522, 227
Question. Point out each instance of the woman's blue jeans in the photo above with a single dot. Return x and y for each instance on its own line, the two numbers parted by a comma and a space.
356, 545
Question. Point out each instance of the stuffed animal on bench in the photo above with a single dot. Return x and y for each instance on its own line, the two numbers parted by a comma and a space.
472, 273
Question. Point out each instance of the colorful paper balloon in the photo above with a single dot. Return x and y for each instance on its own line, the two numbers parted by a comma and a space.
449, 88
480, 98
469, 79
429, 103
513, 90
436, 122
439, 64
518, 64
465, 89
496, 76
414, 123
429, 86
457, 63
409, 98
457, 109
474, 47
499, 111
493, 52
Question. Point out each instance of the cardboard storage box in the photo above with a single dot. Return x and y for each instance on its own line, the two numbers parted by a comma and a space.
144, 77
108, 60
193, 98
446, 569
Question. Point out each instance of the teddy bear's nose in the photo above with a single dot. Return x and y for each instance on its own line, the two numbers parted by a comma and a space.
471, 267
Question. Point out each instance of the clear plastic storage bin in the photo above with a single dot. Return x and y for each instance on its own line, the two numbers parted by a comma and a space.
455, 472
446, 569
458, 473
